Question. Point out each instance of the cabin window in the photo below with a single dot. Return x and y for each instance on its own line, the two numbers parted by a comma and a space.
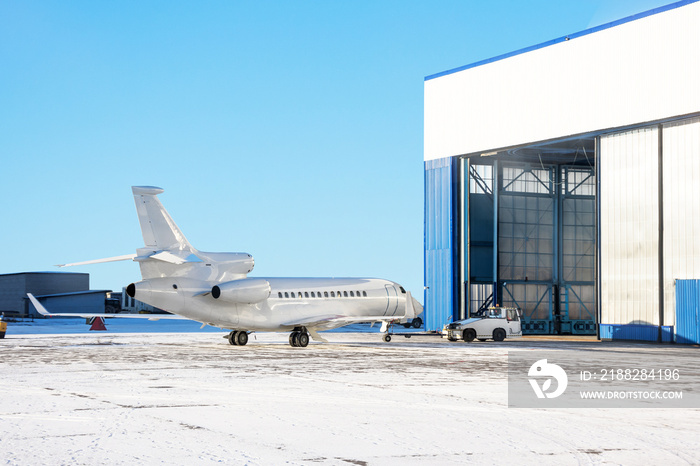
345, 293
292, 293
286, 295
332, 294
306, 294
279, 294
352, 294
364, 293
313, 295
339, 295
325, 293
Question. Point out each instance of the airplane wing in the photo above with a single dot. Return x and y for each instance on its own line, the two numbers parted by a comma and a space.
86, 315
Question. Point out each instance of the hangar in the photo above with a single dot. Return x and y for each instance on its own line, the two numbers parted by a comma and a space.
564, 178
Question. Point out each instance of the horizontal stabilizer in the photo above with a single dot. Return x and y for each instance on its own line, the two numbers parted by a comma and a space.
167, 256
101, 261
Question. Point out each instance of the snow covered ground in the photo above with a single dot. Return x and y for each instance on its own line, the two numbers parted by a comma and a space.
191, 398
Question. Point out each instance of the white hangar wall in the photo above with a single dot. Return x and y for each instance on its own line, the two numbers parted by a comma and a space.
609, 77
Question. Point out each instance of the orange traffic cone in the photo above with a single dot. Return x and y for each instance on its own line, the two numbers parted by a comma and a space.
98, 324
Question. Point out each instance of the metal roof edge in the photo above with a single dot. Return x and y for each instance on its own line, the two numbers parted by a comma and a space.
73, 293
575, 35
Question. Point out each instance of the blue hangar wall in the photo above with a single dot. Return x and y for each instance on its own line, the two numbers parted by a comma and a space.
636, 113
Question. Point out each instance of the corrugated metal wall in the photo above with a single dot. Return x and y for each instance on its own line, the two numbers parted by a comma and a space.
688, 311
681, 175
636, 332
438, 243
629, 226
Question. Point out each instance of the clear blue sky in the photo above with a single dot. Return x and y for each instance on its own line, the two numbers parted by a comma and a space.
291, 130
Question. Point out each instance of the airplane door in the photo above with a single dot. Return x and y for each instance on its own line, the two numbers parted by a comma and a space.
392, 300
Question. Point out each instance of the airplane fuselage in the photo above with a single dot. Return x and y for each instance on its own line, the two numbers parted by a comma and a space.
290, 301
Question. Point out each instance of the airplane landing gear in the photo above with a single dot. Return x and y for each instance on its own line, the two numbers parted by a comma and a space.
238, 338
299, 338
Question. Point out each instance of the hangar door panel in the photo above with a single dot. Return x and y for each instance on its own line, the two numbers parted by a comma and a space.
629, 227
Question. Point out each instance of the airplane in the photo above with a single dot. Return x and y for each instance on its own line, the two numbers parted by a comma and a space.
214, 288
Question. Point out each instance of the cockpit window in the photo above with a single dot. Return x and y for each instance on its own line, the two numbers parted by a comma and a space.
402, 290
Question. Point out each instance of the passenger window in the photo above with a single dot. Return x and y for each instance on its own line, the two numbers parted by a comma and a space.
364, 293
352, 294
286, 295
292, 293
279, 294
325, 293
313, 295
332, 294
306, 294
345, 293
339, 295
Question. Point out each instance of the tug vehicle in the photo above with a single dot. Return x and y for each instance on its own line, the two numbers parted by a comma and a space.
496, 323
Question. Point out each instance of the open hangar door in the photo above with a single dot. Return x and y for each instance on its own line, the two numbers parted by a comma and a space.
527, 234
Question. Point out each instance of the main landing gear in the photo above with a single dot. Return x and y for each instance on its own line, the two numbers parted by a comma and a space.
238, 337
299, 337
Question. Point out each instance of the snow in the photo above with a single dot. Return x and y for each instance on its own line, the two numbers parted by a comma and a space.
191, 398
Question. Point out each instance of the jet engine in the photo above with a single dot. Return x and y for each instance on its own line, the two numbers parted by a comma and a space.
169, 294
243, 291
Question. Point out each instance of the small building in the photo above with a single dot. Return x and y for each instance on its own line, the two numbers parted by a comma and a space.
15, 286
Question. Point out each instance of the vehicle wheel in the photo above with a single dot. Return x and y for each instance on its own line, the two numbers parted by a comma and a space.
386, 338
242, 338
499, 334
303, 340
233, 337
469, 335
417, 322
481, 339
294, 339
406, 325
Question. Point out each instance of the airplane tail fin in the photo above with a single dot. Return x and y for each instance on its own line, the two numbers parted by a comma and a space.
159, 230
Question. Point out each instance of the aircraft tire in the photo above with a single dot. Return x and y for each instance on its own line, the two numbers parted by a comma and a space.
294, 339
303, 340
233, 338
242, 338
469, 335
387, 338
499, 334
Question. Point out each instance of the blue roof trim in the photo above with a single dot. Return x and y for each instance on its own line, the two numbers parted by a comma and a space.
575, 35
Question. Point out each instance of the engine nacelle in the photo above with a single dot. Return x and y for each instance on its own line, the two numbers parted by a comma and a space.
168, 293
243, 291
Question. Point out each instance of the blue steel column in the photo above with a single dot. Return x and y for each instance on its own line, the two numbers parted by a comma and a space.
496, 190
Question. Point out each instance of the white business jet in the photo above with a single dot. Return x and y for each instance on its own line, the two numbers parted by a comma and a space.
214, 288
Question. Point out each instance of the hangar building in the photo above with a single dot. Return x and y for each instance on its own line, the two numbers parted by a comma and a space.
564, 178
